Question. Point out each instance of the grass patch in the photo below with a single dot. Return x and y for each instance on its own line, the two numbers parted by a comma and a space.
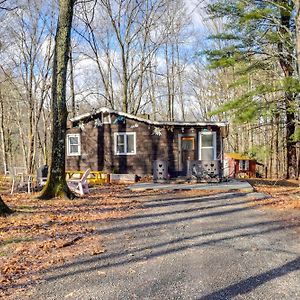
16, 240
26, 207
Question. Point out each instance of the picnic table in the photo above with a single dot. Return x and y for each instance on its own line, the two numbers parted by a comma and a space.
96, 177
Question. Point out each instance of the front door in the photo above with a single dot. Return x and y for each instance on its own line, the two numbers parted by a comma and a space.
188, 151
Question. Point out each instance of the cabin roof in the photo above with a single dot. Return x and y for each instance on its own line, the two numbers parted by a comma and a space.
140, 119
238, 156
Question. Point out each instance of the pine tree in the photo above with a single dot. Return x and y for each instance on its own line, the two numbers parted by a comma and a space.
259, 39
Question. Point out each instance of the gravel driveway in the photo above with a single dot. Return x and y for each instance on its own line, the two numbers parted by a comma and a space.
208, 247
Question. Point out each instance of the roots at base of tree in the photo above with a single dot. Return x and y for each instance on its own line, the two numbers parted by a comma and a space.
58, 190
4, 209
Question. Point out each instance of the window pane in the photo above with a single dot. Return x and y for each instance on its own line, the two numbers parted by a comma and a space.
247, 165
187, 144
73, 140
207, 140
73, 144
120, 139
121, 148
74, 149
207, 154
106, 118
244, 165
130, 143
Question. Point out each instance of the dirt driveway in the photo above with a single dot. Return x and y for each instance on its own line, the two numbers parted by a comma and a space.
208, 247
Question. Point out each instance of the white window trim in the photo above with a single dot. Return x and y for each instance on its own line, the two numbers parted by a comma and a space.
214, 143
105, 122
69, 146
116, 134
246, 165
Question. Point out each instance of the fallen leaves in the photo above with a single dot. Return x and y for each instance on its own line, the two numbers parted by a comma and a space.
45, 233
285, 199
285, 194
97, 251
42, 234
71, 242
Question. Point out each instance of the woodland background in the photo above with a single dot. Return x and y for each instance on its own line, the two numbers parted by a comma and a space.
172, 59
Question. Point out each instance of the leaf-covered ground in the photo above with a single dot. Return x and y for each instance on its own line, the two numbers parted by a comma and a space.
285, 194
41, 234
284, 198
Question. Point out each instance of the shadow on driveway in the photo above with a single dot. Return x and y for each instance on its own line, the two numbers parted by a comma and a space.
251, 283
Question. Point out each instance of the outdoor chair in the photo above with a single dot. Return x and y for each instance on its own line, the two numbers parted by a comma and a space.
41, 178
80, 185
21, 180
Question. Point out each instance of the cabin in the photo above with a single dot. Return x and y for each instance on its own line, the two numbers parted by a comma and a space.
239, 166
117, 142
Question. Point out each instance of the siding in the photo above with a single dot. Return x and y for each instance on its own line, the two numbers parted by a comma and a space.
97, 147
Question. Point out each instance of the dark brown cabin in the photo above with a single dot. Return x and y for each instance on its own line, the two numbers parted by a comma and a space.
117, 142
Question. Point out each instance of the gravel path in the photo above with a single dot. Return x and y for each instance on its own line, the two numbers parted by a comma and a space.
212, 247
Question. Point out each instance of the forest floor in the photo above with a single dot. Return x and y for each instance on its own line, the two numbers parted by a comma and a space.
284, 194
41, 234
224, 246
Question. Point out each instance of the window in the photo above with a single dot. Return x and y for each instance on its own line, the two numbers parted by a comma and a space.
73, 144
125, 143
207, 146
244, 165
106, 118
188, 143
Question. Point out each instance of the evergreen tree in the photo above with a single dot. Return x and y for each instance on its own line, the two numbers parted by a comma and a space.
259, 39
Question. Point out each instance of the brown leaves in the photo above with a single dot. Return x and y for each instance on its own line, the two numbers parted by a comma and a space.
97, 251
45, 233
285, 193
285, 198
70, 242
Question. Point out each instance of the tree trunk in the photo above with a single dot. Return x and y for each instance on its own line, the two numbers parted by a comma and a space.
125, 83
72, 86
290, 144
2, 136
56, 185
297, 21
286, 52
4, 209
277, 157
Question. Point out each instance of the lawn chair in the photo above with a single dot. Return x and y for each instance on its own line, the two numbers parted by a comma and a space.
41, 177
21, 181
80, 186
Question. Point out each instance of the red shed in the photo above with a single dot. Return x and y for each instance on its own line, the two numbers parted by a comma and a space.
237, 165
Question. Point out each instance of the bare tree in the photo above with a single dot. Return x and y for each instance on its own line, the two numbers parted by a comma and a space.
123, 38
56, 185
26, 65
4, 5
